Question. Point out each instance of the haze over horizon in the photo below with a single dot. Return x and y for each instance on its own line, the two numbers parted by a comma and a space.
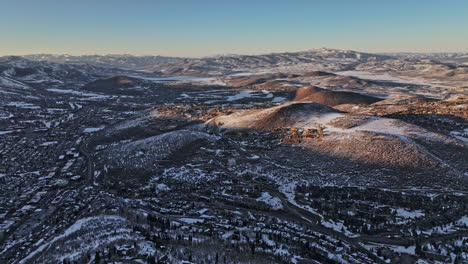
230, 54
203, 28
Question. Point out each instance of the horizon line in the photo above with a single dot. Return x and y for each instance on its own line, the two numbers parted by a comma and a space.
227, 54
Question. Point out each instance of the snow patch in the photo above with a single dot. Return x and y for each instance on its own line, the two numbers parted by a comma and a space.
274, 202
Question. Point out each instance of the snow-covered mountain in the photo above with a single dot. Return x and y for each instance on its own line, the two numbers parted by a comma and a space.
447, 57
214, 64
18, 71
122, 61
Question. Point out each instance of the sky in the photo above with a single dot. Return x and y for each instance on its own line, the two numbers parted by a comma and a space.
196, 28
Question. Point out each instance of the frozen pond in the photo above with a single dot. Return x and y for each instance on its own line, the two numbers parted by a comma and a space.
184, 79
171, 79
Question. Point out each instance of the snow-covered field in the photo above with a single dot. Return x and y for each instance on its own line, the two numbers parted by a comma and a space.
78, 93
73, 241
274, 202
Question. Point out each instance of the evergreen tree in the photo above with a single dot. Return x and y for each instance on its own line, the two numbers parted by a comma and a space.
97, 258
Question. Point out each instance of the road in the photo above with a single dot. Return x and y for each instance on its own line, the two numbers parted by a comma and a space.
90, 162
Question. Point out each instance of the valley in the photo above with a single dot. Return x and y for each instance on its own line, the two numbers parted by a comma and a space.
321, 156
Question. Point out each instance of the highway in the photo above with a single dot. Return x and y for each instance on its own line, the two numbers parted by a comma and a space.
90, 163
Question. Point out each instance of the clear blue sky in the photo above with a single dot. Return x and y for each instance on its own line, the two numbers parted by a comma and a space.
207, 27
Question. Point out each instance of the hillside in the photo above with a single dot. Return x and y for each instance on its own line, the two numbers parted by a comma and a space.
332, 98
